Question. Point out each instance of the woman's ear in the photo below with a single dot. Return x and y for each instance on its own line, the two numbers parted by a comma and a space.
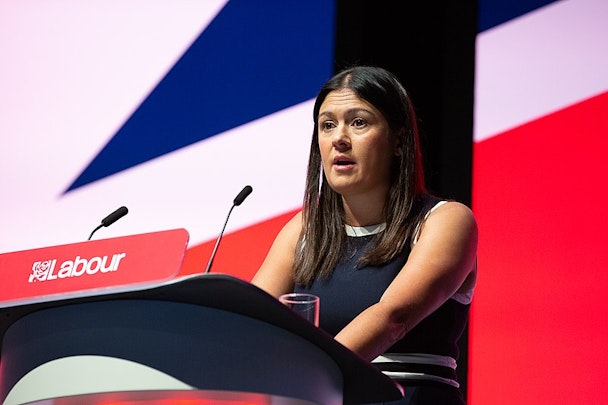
398, 143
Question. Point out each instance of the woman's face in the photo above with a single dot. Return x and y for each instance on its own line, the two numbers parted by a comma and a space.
355, 144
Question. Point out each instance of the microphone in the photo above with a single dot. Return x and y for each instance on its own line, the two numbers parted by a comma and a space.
238, 200
110, 219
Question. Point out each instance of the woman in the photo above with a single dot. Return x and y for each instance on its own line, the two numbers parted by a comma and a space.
394, 266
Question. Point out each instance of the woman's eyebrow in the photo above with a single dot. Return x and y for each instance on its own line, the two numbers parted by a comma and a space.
350, 111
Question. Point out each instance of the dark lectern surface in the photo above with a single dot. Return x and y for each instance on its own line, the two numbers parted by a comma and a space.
362, 382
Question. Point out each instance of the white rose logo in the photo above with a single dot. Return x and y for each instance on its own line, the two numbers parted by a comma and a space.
40, 270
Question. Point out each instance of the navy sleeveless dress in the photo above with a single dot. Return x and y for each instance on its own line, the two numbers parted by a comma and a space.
424, 361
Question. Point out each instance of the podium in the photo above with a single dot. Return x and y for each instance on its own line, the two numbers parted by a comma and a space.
109, 320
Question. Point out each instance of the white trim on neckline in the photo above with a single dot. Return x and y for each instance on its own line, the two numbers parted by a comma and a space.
364, 230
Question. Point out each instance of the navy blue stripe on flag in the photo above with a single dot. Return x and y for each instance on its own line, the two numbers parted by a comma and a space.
495, 12
254, 59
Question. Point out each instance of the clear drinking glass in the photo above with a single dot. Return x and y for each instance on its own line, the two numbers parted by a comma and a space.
305, 305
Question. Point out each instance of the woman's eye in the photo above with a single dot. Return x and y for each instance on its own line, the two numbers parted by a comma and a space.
359, 122
327, 125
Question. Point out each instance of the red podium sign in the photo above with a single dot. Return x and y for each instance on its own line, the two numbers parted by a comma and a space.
91, 267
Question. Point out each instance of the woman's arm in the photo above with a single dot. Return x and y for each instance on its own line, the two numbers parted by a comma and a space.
442, 262
276, 275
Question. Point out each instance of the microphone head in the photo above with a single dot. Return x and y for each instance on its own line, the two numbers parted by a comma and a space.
115, 216
238, 200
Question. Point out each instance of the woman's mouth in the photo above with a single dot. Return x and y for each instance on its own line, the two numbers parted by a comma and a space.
343, 163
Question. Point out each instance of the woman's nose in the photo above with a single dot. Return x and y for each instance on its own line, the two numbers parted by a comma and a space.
341, 140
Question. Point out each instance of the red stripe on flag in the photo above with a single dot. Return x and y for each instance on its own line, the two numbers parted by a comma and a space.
240, 253
538, 326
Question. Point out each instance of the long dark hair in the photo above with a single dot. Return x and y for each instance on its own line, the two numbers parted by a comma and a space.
322, 241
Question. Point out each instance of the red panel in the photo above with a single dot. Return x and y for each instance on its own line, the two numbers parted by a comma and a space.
86, 268
539, 321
